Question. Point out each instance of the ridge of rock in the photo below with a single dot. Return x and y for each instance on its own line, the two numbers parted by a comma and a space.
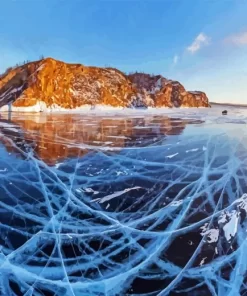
52, 84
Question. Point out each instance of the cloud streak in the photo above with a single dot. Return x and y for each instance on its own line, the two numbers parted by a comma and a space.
175, 59
200, 41
237, 39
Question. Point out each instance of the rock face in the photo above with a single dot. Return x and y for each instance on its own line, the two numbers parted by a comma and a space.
51, 84
158, 91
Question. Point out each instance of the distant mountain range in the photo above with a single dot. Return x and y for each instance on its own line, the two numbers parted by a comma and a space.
49, 84
228, 104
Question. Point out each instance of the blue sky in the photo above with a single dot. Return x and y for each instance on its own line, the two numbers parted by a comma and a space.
201, 43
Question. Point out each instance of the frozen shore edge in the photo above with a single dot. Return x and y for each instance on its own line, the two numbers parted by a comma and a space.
42, 108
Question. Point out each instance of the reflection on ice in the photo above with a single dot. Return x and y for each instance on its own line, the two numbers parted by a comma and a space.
55, 140
97, 206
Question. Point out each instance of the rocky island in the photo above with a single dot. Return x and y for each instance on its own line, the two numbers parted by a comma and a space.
49, 84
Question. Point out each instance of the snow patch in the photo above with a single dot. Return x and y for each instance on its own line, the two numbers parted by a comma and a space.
176, 203
113, 195
90, 190
203, 261
231, 227
212, 234
192, 150
172, 155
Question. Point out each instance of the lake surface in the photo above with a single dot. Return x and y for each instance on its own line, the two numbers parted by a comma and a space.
124, 204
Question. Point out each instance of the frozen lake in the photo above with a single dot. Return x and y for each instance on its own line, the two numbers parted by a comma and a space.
124, 203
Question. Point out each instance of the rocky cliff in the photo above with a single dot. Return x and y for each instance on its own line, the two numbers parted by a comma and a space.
51, 84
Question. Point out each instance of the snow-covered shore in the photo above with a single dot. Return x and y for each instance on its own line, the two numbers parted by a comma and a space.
214, 114
41, 107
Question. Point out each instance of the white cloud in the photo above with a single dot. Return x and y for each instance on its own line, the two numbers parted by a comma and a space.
175, 59
200, 41
238, 39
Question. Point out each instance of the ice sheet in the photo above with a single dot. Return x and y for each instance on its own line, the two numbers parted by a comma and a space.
150, 212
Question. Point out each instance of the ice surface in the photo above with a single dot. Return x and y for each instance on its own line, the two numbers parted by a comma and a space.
172, 155
113, 195
155, 211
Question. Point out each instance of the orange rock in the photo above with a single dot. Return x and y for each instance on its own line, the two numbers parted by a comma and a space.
56, 83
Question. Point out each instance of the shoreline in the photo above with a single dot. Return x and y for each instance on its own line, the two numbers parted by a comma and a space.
42, 108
